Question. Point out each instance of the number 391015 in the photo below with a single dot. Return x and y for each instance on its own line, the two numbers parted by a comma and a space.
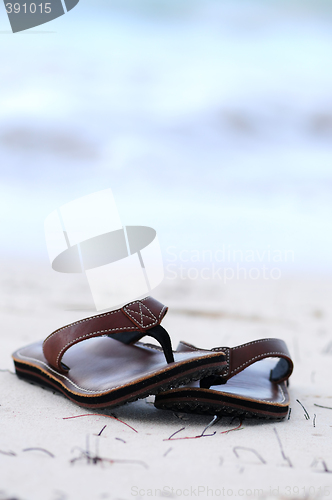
33, 8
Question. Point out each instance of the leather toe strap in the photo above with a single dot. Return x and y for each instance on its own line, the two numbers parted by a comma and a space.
240, 357
127, 324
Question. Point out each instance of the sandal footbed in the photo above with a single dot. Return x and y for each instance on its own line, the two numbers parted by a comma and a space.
248, 393
106, 373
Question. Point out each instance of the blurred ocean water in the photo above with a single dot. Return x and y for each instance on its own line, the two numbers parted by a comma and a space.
210, 120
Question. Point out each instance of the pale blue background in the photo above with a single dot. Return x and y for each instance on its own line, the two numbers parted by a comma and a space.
211, 120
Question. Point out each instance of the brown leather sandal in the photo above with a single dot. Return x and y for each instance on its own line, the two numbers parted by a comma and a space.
249, 385
110, 367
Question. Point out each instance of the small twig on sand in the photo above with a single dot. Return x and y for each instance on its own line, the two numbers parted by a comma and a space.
306, 414
320, 406
239, 427
101, 415
248, 449
40, 449
282, 450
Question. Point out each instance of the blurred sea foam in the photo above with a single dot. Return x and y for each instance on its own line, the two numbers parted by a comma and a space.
210, 120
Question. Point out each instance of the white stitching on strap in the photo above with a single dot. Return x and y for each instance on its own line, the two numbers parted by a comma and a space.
141, 314
92, 334
259, 356
91, 318
81, 321
164, 307
140, 310
228, 366
128, 311
251, 343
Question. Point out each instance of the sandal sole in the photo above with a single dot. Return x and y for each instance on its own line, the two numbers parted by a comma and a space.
169, 378
227, 406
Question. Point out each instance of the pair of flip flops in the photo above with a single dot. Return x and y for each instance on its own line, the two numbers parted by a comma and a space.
98, 362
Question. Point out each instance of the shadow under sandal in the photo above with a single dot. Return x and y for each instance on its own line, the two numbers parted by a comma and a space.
98, 362
252, 383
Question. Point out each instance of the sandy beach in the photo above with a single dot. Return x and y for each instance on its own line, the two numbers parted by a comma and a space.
137, 451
